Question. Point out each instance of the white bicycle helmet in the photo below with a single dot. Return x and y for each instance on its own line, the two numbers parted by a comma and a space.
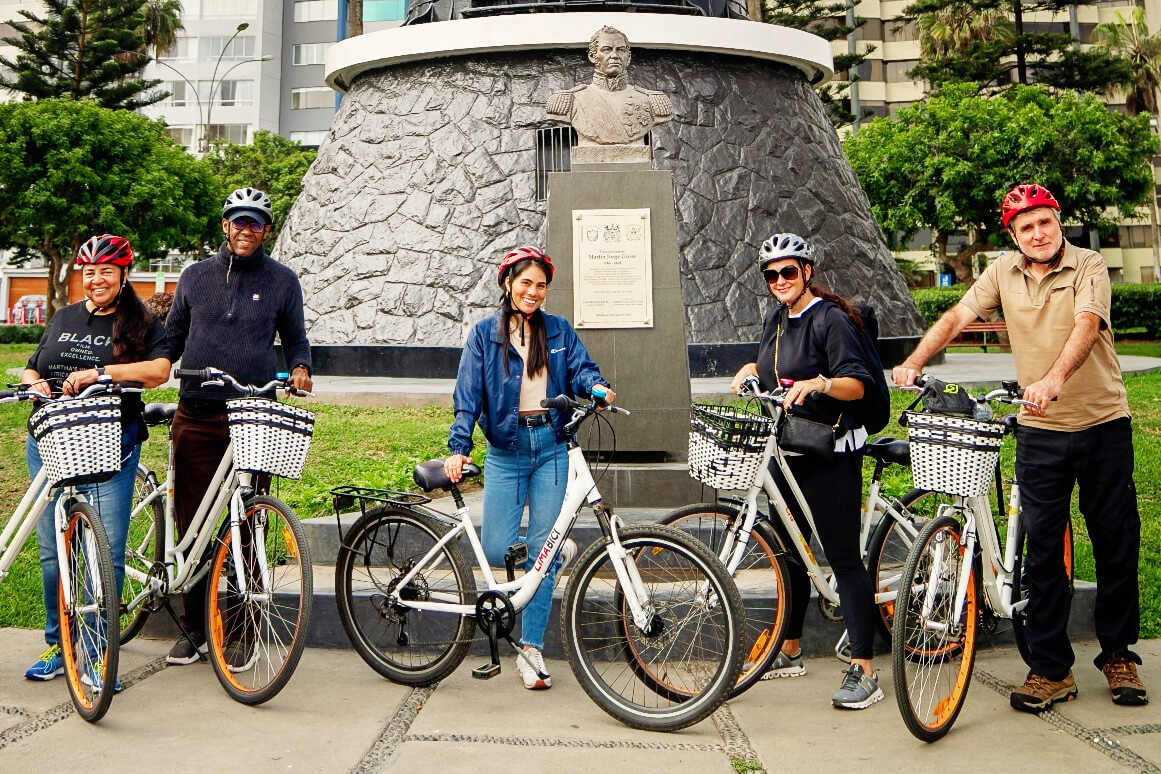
250, 202
781, 246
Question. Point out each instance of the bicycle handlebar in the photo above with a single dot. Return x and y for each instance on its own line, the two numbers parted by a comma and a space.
215, 377
103, 386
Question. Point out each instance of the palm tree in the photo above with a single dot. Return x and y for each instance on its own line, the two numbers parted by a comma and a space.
959, 26
1131, 40
162, 22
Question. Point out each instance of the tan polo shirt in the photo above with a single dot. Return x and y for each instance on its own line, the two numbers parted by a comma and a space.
1040, 315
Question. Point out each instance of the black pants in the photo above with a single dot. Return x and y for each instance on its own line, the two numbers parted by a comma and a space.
1049, 463
833, 490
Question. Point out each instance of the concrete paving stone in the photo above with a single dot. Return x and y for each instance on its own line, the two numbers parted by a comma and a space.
791, 725
495, 759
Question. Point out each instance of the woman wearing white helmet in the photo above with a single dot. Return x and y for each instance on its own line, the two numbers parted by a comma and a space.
815, 338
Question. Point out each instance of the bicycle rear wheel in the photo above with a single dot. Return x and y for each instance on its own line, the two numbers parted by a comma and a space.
409, 646
681, 664
762, 580
143, 549
256, 638
933, 646
89, 651
1020, 584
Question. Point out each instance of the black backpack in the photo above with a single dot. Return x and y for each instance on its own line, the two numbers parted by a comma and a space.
874, 408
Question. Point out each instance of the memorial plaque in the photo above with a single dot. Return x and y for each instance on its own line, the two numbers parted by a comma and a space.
612, 269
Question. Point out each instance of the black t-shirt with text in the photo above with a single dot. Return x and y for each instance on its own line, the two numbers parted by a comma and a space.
75, 340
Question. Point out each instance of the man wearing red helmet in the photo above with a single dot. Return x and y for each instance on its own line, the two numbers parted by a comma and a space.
1056, 298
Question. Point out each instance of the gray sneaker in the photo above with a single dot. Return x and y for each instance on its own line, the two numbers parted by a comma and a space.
785, 666
858, 691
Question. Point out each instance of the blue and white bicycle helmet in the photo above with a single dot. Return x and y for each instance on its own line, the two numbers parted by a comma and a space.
787, 245
249, 202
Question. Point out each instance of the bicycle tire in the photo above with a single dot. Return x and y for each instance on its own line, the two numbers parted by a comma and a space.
90, 655
932, 659
698, 615
142, 551
376, 551
268, 629
890, 545
762, 579
1020, 587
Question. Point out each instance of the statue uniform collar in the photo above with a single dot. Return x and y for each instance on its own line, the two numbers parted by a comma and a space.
617, 83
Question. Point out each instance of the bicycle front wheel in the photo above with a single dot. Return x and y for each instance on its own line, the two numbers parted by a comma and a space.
676, 663
933, 646
409, 646
762, 580
143, 549
90, 651
256, 630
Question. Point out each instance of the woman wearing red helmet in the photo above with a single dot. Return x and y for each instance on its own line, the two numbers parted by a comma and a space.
111, 334
511, 361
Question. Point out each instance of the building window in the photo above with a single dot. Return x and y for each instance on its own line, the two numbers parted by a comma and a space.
235, 133
553, 154
895, 31
316, 10
180, 94
384, 10
315, 97
897, 71
182, 48
209, 49
182, 135
870, 70
1136, 236
227, 93
310, 139
310, 53
235, 9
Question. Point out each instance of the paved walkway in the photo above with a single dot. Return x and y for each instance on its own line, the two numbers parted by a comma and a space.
337, 715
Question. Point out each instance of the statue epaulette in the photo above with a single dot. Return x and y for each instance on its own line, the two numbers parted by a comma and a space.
659, 103
560, 103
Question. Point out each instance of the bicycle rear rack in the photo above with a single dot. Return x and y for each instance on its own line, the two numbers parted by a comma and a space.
344, 497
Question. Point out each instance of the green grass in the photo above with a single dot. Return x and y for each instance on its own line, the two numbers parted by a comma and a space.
380, 446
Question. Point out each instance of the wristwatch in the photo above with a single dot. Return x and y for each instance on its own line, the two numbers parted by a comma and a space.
100, 371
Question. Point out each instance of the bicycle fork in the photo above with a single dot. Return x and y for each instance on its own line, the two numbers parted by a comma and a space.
966, 547
629, 577
258, 538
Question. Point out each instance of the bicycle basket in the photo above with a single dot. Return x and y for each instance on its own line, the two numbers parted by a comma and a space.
268, 436
726, 445
79, 440
952, 454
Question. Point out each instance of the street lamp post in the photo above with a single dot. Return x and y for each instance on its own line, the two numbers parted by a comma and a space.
216, 85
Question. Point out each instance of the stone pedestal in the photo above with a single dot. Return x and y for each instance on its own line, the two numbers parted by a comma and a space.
648, 367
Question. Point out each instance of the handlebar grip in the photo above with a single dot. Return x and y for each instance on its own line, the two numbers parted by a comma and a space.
190, 373
7, 394
131, 385
922, 380
560, 403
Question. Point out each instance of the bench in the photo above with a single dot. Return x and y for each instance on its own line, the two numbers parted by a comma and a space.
983, 328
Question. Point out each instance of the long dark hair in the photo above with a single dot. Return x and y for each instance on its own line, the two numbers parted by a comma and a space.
848, 309
537, 337
131, 324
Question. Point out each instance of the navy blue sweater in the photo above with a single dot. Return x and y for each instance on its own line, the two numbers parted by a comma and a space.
225, 314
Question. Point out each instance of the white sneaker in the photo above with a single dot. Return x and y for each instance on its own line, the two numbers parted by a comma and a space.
528, 672
567, 554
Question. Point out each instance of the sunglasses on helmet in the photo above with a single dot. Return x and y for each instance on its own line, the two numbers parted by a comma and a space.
788, 273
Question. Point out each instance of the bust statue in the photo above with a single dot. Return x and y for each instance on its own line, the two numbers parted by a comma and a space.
610, 115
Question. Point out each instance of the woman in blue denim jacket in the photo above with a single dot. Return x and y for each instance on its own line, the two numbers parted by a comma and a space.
511, 361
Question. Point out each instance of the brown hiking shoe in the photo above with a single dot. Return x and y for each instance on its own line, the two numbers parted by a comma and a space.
1126, 686
1039, 693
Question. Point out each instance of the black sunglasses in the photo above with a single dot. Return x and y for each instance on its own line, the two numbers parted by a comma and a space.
788, 273
241, 224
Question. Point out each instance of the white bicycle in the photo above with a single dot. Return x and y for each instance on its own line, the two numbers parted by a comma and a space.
257, 558
80, 443
650, 620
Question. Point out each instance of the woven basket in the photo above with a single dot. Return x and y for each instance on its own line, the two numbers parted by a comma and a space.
726, 445
269, 437
79, 440
952, 454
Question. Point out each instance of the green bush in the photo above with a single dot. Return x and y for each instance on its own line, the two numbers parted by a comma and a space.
1137, 306
933, 302
21, 334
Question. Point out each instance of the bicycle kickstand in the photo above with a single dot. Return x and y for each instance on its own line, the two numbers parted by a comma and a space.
182, 630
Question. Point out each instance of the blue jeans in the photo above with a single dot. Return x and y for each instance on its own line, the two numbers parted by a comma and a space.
535, 473
112, 499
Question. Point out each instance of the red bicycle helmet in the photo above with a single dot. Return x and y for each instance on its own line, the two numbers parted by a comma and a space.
524, 253
106, 248
1026, 197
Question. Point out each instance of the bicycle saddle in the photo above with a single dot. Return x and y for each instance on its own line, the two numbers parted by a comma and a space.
889, 449
431, 475
159, 413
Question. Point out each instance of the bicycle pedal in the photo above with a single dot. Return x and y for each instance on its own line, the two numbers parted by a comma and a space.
486, 671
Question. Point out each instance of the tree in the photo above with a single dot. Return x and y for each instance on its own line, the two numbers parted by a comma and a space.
944, 163
78, 50
1131, 40
70, 169
161, 21
272, 163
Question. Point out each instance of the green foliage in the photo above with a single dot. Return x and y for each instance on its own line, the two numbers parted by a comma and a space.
945, 162
161, 21
272, 163
1131, 40
933, 302
1137, 306
81, 49
20, 334
70, 169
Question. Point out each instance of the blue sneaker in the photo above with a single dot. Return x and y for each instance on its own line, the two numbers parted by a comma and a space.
94, 678
50, 665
